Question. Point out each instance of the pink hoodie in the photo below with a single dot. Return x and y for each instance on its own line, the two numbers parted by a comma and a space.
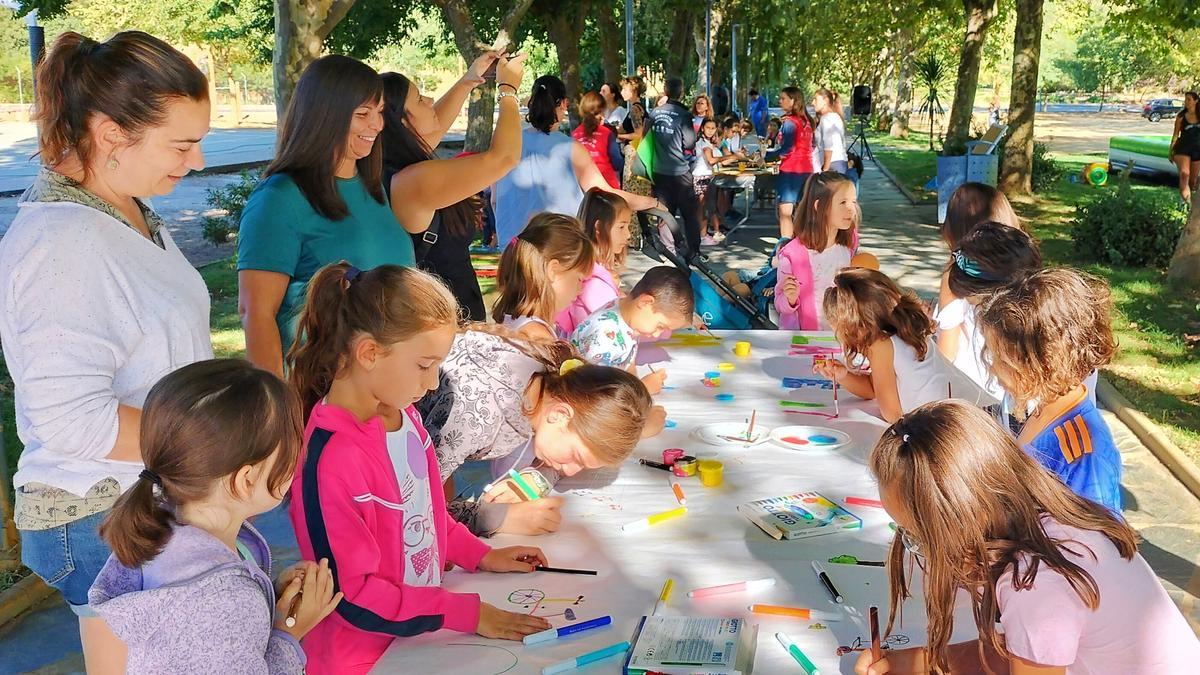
346, 506
794, 261
598, 290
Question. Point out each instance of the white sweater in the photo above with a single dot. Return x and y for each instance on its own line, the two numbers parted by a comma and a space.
92, 314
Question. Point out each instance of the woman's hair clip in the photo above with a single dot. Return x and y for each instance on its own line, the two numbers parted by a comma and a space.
569, 365
351, 274
970, 267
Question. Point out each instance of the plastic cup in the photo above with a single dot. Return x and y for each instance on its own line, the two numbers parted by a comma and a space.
712, 472
713, 378
741, 348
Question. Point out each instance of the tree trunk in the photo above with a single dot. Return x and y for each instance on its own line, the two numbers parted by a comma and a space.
481, 106
698, 36
1016, 169
1184, 270
979, 16
612, 42
902, 107
564, 25
679, 47
300, 31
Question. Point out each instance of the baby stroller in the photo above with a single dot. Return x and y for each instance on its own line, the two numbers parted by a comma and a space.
717, 302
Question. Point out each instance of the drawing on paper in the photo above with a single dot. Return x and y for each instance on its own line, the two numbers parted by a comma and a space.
535, 603
515, 660
863, 644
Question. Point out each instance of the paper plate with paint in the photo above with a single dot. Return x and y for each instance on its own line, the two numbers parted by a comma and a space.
731, 434
809, 438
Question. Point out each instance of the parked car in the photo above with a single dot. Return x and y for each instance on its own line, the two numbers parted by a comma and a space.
1159, 108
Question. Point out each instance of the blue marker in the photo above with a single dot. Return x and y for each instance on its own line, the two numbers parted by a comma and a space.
590, 657
555, 633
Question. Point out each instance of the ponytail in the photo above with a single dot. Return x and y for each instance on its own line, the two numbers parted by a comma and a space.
835, 101
202, 423
522, 279
590, 106
548, 92
388, 303
130, 78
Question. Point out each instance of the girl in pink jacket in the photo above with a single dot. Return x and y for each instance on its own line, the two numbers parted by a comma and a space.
367, 494
826, 229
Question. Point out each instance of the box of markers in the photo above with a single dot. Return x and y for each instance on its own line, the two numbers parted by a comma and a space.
692, 645
799, 516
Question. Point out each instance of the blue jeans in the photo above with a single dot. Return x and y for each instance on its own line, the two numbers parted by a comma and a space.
790, 186
68, 557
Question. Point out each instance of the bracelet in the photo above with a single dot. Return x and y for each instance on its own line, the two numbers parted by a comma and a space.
505, 84
506, 94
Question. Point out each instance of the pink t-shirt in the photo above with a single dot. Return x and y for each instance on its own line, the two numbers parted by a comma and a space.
1136, 630
598, 290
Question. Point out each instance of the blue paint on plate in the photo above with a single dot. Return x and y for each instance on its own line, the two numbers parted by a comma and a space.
671, 424
821, 439
724, 397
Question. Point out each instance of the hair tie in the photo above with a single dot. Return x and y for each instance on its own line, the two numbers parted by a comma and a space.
351, 274
569, 365
970, 267
149, 475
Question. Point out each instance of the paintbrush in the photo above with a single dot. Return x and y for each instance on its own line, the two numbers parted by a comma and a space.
835, 402
750, 429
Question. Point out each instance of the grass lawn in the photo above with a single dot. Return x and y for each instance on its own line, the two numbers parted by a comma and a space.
1157, 368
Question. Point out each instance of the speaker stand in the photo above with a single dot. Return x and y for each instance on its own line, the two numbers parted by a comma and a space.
860, 138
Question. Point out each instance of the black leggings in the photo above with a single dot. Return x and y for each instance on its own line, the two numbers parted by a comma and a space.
678, 195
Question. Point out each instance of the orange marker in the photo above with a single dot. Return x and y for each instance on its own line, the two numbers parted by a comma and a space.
678, 493
796, 612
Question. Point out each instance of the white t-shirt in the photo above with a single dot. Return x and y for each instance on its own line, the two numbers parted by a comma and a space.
406, 449
831, 135
616, 116
919, 382
1136, 630
960, 315
701, 168
825, 266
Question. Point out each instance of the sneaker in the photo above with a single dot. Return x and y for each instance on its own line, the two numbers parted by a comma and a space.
719, 237
708, 241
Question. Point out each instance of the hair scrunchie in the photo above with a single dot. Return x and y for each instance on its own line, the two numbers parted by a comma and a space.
149, 475
351, 274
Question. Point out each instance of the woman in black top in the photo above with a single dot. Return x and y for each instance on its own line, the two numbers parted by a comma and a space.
1185, 145
432, 197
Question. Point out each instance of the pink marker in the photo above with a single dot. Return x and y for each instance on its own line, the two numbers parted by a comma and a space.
741, 586
863, 501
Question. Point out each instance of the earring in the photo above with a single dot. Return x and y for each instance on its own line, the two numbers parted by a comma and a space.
112, 164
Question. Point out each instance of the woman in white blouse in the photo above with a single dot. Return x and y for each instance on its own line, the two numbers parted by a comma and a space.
97, 303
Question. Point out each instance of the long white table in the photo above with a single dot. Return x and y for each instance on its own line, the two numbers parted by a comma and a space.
713, 544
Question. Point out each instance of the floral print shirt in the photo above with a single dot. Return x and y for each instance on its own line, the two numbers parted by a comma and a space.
605, 339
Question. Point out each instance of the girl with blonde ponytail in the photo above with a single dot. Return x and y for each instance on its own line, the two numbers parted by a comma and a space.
541, 273
220, 439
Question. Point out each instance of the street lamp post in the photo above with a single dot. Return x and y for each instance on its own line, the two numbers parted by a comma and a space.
629, 37
733, 93
708, 54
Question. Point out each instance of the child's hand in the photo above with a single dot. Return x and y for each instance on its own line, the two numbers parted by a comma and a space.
497, 623
655, 421
864, 665
513, 559
285, 577
502, 492
654, 381
791, 289
698, 322
317, 600
532, 518
831, 368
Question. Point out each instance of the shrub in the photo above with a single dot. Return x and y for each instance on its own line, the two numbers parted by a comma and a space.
231, 199
1045, 171
1129, 228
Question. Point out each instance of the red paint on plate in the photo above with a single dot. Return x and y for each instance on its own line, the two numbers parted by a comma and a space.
795, 440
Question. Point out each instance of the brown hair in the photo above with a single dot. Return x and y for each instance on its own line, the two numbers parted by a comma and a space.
670, 288
835, 101
812, 213
389, 304
1046, 332
200, 424
635, 81
597, 214
702, 97
972, 204
864, 306
591, 105
611, 404
990, 256
316, 126
799, 104
976, 503
131, 78
522, 280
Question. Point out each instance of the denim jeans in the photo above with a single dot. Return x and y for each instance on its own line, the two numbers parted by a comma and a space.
68, 558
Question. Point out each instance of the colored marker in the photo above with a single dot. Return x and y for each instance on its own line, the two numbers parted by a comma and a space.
826, 581
790, 645
752, 585
521, 483
874, 633
590, 657
563, 570
663, 596
654, 465
796, 612
555, 633
863, 501
678, 493
645, 523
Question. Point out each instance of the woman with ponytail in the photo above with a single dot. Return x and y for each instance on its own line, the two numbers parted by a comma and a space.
875, 319
795, 155
97, 301
554, 170
188, 586
829, 140
368, 496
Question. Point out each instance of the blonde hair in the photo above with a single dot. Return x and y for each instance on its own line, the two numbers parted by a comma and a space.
976, 502
597, 214
523, 277
835, 101
812, 213
864, 306
1046, 332
389, 304
611, 404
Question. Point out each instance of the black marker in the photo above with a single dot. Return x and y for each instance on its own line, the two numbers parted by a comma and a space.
654, 465
563, 570
826, 582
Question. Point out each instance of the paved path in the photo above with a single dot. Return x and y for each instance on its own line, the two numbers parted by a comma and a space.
907, 244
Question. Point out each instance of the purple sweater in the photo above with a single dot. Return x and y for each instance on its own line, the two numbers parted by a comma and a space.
197, 608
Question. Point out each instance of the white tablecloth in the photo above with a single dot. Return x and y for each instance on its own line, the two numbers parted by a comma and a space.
711, 545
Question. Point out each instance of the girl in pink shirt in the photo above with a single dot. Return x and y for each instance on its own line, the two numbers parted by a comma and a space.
1060, 574
605, 218
367, 494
